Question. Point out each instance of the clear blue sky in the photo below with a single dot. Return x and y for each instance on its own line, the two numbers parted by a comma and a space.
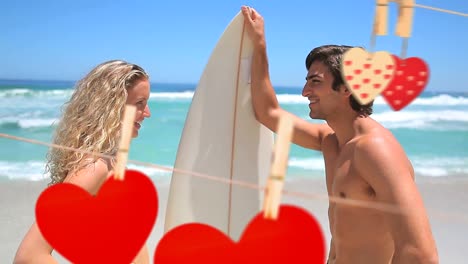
172, 40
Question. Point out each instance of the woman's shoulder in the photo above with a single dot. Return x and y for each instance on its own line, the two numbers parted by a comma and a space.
92, 175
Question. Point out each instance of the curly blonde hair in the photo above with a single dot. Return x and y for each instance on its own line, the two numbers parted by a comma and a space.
91, 119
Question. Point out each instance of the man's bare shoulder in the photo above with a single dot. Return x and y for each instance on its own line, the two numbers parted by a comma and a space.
378, 141
379, 152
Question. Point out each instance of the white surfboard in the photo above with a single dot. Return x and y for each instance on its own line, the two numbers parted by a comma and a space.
221, 138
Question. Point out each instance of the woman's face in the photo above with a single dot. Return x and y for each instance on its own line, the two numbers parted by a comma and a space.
138, 96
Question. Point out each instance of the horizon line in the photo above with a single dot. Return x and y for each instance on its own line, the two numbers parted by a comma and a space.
196, 83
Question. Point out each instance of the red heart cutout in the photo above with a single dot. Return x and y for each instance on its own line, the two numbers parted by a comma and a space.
295, 237
410, 79
110, 227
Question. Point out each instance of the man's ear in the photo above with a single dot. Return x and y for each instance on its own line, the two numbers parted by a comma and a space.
344, 90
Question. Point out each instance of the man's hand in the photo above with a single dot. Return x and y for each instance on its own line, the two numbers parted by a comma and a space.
255, 26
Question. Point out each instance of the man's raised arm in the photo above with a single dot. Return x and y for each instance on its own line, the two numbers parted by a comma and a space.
265, 104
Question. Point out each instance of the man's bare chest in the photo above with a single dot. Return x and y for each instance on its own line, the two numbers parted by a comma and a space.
343, 178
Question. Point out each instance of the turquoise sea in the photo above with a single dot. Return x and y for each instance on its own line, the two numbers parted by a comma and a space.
433, 129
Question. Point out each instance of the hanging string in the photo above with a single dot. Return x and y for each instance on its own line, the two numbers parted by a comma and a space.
37, 142
405, 40
379, 27
436, 9
389, 208
441, 10
404, 48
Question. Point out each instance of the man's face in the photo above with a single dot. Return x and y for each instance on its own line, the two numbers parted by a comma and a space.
318, 89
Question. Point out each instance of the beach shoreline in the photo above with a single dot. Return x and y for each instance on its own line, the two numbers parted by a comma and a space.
445, 199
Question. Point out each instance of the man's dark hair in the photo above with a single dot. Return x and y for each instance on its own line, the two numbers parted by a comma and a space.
331, 56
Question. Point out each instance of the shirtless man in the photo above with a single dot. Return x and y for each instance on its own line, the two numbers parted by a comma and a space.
363, 161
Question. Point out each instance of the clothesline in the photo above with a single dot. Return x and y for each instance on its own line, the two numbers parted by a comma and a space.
442, 10
389, 208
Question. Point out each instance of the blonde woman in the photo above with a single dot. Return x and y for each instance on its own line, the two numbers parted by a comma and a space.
91, 121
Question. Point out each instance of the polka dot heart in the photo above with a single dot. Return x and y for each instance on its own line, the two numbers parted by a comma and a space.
367, 75
411, 77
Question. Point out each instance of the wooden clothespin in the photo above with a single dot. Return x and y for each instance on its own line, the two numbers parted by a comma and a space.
278, 168
124, 145
405, 18
381, 18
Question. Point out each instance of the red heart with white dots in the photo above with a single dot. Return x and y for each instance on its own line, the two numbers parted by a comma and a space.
294, 237
411, 77
367, 75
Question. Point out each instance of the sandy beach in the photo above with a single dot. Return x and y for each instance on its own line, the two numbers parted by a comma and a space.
446, 199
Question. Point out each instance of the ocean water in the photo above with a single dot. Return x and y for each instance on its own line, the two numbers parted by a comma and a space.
433, 129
